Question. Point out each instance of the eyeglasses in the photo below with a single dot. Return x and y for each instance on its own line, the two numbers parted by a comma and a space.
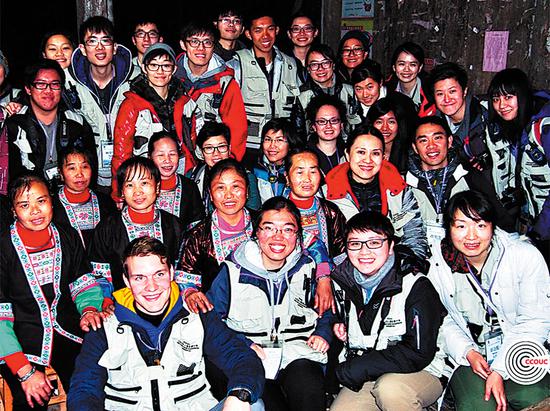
355, 50
316, 66
306, 29
94, 41
153, 34
324, 121
42, 85
276, 141
195, 43
224, 148
271, 230
372, 244
156, 67
228, 21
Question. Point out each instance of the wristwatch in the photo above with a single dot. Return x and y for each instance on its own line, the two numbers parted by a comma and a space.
241, 394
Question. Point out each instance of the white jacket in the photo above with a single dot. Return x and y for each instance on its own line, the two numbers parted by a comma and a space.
520, 295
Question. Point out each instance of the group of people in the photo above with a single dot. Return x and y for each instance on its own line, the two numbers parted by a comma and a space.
238, 228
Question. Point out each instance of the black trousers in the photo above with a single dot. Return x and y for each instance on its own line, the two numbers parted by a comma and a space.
299, 387
63, 359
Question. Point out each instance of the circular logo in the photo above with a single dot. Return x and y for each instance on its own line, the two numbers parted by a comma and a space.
527, 362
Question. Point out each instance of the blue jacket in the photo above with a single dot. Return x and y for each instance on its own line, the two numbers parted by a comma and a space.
230, 354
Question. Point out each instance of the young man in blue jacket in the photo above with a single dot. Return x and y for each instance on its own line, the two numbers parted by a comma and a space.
150, 354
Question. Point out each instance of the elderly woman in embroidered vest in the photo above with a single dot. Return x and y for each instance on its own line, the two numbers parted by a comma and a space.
139, 185
46, 285
264, 292
75, 204
178, 195
495, 289
208, 244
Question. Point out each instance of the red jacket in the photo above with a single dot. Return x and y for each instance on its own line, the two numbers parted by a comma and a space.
125, 144
338, 186
231, 109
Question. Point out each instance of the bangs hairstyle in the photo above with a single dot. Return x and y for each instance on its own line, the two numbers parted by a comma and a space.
473, 204
284, 125
145, 246
382, 107
228, 164
136, 167
196, 28
410, 48
213, 129
64, 154
449, 70
512, 81
22, 184
159, 136
279, 203
370, 221
32, 71
361, 130
96, 25
363, 36
367, 69
229, 12
323, 50
321, 100
438, 121
295, 152
157, 53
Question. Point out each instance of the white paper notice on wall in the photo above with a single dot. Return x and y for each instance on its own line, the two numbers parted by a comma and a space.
495, 50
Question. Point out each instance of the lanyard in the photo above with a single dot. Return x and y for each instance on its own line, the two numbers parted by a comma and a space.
275, 320
489, 304
437, 200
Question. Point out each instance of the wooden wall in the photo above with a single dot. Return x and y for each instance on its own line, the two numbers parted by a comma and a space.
452, 30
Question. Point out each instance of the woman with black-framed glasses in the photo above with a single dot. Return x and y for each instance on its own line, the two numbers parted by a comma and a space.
155, 103
389, 317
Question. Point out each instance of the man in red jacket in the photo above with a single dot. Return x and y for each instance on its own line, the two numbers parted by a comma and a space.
209, 82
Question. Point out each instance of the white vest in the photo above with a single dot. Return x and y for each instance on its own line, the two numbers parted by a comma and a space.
130, 379
251, 314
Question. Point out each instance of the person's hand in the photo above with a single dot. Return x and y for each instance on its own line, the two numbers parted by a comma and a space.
479, 365
38, 387
13, 108
323, 296
259, 351
107, 308
340, 331
196, 301
232, 403
494, 385
318, 343
91, 319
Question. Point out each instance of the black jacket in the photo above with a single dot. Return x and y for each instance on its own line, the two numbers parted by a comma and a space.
406, 356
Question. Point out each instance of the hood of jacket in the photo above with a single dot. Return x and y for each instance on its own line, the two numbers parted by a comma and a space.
122, 61
216, 69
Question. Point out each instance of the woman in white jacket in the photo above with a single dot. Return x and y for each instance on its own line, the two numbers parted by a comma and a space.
495, 288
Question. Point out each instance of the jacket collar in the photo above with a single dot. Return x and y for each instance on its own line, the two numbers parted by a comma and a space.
338, 185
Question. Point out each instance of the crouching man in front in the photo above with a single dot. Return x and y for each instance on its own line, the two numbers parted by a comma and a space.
150, 354
390, 316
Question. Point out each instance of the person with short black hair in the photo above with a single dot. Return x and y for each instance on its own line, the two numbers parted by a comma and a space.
41, 129
481, 274
302, 32
389, 320
268, 79
278, 137
138, 185
97, 79
353, 49
153, 331
214, 145
146, 33
230, 24
210, 83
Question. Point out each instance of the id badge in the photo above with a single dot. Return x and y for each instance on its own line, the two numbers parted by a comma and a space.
493, 342
107, 148
435, 230
273, 357
51, 172
181, 166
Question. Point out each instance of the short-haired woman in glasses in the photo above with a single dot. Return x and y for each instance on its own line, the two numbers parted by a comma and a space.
213, 146
389, 319
155, 102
